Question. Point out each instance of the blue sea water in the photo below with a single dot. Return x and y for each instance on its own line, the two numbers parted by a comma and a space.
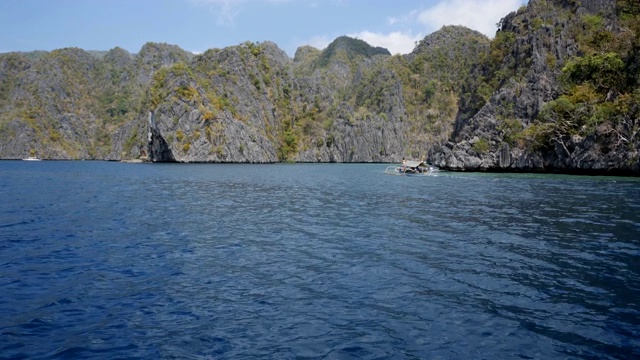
314, 261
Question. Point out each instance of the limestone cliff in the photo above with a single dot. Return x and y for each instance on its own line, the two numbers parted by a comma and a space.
348, 103
248, 103
551, 109
73, 104
555, 90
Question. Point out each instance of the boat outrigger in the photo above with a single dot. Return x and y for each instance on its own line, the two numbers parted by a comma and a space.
411, 168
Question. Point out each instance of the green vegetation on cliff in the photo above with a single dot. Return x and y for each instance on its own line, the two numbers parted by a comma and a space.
557, 87
557, 90
600, 94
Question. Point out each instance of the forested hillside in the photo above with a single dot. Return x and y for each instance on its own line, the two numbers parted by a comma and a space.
248, 103
555, 90
567, 93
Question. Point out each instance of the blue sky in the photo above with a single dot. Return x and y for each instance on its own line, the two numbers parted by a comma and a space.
198, 25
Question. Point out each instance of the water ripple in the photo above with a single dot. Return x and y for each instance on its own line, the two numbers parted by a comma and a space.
314, 261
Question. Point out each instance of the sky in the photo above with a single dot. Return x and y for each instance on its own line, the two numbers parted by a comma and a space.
199, 25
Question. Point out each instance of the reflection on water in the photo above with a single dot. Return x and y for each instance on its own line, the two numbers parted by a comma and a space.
318, 261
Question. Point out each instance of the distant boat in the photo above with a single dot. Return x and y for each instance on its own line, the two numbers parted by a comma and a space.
31, 158
412, 168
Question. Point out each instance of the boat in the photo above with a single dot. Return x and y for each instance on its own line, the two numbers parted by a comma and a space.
31, 158
412, 168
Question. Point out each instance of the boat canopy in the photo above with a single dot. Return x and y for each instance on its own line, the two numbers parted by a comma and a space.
414, 163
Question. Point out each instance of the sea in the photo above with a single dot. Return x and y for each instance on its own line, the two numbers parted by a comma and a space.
108, 260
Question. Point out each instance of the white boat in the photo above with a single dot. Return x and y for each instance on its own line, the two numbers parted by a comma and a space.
31, 158
412, 168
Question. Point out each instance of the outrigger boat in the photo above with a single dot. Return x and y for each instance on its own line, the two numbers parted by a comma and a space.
411, 168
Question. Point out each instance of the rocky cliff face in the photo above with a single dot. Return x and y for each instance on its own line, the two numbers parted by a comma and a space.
42, 112
72, 104
556, 90
251, 103
246, 103
520, 129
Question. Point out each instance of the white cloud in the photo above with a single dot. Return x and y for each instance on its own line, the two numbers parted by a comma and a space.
396, 42
480, 15
319, 42
225, 10
406, 19
227, 14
